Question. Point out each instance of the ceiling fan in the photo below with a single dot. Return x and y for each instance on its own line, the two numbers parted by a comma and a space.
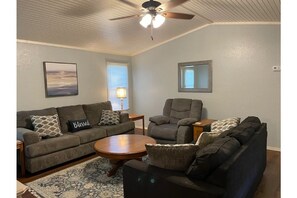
154, 13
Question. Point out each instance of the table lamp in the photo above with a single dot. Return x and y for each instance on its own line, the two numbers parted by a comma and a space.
121, 93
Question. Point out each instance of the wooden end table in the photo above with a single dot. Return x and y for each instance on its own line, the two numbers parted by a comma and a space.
134, 117
20, 147
198, 127
120, 148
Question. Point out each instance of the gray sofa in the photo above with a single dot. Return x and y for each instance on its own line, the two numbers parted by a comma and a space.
41, 153
175, 125
222, 168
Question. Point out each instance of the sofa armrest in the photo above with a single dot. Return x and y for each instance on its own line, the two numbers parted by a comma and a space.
159, 119
186, 121
124, 117
143, 180
27, 136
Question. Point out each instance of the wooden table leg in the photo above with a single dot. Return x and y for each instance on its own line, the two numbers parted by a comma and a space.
20, 147
116, 164
143, 126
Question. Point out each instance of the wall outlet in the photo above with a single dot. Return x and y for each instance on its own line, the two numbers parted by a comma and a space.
276, 68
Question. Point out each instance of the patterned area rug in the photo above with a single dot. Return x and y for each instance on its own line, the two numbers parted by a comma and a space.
85, 180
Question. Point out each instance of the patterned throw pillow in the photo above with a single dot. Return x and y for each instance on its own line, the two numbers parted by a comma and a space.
46, 126
171, 156
206, 138
109, 117
223, 125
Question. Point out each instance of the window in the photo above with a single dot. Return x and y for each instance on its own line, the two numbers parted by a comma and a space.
117, 76
189, 78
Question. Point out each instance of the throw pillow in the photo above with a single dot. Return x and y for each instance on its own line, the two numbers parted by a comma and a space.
226, 124
46, 126
171, 156
109, 117
206, 138
77, 125
211, 156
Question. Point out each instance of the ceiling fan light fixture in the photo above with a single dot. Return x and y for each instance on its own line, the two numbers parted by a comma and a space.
158, 20
146, 20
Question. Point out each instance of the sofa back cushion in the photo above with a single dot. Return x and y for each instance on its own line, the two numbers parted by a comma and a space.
24, 119
70, 113
246, 129
180, 108
94, 111
211, 156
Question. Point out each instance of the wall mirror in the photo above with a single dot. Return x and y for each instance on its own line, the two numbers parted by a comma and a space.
195, 76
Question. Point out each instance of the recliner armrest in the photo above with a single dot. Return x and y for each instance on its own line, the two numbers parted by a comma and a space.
186, 121
159, 119
27, 136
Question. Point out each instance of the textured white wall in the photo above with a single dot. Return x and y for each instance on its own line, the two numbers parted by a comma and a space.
243, 81
91, 70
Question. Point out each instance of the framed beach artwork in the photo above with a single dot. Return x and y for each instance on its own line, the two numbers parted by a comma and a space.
60, 79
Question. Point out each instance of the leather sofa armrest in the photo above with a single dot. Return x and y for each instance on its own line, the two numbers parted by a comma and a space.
186, 121
159, 119
124, 117
27, 136
143, 180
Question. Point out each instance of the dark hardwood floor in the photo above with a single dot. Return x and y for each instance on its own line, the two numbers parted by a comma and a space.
268, 188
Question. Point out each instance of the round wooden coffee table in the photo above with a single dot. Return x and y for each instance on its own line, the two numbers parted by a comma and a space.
120, 148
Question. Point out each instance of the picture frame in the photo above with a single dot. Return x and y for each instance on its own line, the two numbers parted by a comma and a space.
60, 79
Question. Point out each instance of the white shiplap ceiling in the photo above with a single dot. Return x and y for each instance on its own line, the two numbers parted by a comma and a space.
85, 24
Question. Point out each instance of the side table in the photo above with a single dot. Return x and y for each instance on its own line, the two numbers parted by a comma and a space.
20, 147
198, 127
134, 117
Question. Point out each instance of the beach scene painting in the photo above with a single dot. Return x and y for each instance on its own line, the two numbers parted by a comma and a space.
60, 79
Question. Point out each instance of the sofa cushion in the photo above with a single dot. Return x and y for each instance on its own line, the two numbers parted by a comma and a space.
164, 131
119, 128
51, 145
158, 120
70, 113
244, 131
89, 135
225, 124
211, 156
77, 125
46, 126
93, 111
171, 156
109, 117
24, 117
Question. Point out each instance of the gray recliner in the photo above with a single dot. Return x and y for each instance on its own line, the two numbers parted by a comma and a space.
175, 125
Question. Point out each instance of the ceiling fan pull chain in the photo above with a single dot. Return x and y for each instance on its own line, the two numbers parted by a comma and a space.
152, 32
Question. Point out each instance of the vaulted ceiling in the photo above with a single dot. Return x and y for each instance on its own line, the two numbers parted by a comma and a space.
85, 24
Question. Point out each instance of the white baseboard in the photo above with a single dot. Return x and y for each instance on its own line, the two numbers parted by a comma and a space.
273, 148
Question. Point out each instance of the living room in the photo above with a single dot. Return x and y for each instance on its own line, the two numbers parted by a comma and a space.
244, 81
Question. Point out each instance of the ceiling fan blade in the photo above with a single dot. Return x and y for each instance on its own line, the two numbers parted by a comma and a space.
125, 17
129, 3
176, 15
171, 4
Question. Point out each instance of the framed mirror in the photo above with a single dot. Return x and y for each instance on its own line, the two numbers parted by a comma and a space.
195, 76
